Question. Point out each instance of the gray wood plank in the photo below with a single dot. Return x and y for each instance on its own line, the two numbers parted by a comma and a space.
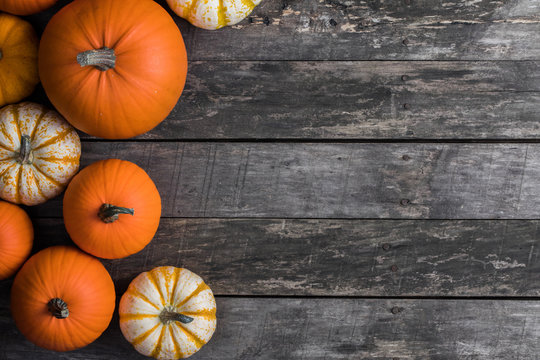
270, 328
338, 257
356, 180
356, 100
377, 30
369, 30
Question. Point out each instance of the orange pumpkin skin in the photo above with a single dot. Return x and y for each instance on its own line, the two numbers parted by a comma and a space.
18, 59
77, 279
121, 184
16, 238
25, 7
142, 73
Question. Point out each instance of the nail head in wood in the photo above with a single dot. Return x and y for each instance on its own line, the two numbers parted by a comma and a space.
333, 22
395, 310
406, 106
394, 268
404, 202
386, 247
266, 21
404, 78
405, 41
406, 157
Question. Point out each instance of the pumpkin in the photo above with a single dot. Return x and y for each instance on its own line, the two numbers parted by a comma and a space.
168, 313
18, 59
16, 238
39, 153
112, 209
25, 7
113, 68
62, 299
213, 14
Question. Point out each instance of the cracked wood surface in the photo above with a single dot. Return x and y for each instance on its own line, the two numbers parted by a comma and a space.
369, 30
285, 328
310, 180
356, 100
324, 257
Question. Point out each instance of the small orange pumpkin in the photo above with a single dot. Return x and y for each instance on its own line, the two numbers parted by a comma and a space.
16, 238
25, 7
18, 59
62, 299
112, 209
113, 68
168, 313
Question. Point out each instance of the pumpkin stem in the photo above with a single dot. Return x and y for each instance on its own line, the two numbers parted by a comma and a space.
109, 213
58, 308
26, 150
103, 59
168, 316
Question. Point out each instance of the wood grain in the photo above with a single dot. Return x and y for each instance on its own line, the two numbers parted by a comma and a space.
356, 100
368, 30
252, 328
338, 257
357, 180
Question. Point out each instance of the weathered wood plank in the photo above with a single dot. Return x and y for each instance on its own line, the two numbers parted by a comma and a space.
369, 30
354, 100
269, 328
357, 100
357, 180
337, 257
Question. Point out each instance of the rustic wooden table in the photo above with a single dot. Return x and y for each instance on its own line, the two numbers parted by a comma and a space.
354, 179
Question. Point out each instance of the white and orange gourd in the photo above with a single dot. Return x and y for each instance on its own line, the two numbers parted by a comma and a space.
39, 153
168, 313
213, 14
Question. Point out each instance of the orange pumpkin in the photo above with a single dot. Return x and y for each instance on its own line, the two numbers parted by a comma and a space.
62, 299
113, 68
18, 59
16, 238
112, 209
25, 7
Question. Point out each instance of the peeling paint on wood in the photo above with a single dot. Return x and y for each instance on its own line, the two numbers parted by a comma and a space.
356, 100
338, 257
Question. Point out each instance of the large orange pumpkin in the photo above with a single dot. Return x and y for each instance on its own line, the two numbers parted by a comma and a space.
62, 299
113, 68
18, 59
16, 238
25, 7
112, 209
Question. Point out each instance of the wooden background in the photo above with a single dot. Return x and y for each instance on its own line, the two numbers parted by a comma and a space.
355, 179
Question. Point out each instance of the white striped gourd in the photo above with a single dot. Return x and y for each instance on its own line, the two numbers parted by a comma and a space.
213, 14
168, 313
39, 153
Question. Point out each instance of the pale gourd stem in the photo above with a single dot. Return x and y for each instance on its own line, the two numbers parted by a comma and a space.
109, 213
103, 59
26, 149
58, 308
167, 316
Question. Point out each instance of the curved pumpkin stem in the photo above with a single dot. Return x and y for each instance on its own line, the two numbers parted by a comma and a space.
103, 59
109, 213
26, 150
168, 316
58, 308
